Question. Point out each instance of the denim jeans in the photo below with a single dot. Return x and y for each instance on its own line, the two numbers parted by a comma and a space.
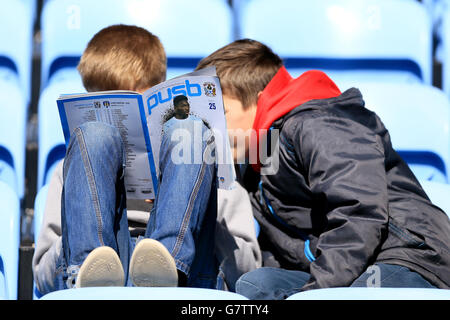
94, 206
276, 284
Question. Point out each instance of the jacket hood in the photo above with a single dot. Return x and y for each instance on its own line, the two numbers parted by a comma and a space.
284, 93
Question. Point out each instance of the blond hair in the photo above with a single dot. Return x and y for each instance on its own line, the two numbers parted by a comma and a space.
244, 68
123, 57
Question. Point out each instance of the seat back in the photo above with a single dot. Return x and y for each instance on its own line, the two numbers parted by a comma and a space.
50, 135
445, 53
13, 109
372, 294
188, 30
39, 208
417, 117
9, 241
439, 194
16, 44
140, 293
351, 40
3, 285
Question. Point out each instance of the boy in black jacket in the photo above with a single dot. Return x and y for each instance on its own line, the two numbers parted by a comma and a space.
336, 204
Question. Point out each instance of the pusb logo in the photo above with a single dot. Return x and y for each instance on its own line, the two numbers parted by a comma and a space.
166, 95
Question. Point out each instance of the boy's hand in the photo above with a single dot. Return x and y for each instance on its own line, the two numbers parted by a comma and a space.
149, 200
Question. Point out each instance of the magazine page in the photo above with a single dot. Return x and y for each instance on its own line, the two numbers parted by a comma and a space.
204, 102
124, 110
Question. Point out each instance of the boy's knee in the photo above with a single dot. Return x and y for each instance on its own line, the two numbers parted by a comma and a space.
99, 134
249, 284
99, 129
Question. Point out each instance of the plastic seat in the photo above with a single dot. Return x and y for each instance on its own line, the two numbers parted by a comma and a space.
372, 294
351, 40
16, 40
13, 120
39, 207
189, 30
50, 136
139, 293
417, 117
445, 53
9, 242
3, 285
436, 10
439, 194
33, 5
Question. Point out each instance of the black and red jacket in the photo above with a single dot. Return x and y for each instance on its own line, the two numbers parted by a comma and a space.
342, 198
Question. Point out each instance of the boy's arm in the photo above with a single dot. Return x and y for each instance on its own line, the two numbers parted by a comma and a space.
344, 162
237, 247
48, 246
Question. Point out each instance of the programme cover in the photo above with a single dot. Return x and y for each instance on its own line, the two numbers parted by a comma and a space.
141, 118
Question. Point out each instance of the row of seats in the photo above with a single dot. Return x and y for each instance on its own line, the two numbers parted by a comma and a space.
349, 39
208, 294
15, 88
25, 13
350, 35
9, 244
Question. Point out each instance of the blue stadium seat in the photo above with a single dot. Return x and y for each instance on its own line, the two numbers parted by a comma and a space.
372, 294
140, 293
9, 242
257, 227
436, 10
349, 39
33, 5
3, 285
445, 52
16, 44
189, 30
50, 136
13, 110
39, 207
417, 117
439, 194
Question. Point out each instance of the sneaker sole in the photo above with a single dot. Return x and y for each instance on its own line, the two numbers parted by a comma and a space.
102, 268
152, 265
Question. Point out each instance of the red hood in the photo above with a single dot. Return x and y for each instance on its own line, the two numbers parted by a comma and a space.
283, 93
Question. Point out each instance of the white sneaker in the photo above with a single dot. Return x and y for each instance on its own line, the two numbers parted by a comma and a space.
102, 268
152, 265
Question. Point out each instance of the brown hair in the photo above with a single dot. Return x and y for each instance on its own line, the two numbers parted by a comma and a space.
123, 57
244, 68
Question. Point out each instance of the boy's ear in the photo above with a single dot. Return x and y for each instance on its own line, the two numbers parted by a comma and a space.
259, 95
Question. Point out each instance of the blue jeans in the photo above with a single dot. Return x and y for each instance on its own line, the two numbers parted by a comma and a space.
94, 206
276, 284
